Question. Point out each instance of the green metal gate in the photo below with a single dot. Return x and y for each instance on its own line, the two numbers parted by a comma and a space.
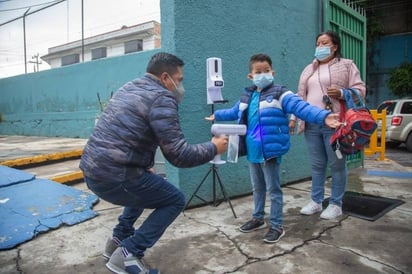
349, 21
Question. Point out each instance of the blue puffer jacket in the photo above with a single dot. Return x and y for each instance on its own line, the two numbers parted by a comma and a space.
141, 116
276, 102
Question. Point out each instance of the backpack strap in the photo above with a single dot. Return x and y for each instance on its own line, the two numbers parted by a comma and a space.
348, 95
342, 111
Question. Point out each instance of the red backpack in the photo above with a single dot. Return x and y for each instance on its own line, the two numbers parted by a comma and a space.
357, 126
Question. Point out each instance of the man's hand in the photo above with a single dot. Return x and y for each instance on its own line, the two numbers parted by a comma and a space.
332, 120
220, 143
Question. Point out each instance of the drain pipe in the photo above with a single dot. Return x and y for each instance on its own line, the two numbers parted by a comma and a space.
321, 15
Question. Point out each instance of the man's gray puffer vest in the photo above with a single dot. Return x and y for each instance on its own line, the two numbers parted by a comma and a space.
141, 116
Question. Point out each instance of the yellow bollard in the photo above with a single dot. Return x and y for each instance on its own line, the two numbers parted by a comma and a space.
373, 146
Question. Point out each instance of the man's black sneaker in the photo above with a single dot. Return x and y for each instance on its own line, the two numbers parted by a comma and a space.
252, 225
274, 235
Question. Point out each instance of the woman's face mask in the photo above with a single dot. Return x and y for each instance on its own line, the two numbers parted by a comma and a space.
322, 53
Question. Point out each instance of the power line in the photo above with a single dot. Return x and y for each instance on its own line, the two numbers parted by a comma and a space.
28, 7
29, 13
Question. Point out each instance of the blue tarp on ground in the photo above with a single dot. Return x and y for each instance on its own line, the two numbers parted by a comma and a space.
31, 206
10, 176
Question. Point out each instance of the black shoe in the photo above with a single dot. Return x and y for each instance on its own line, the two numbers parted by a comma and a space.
274, 235
252, 225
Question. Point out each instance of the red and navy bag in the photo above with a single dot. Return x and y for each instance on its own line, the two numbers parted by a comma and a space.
357, 125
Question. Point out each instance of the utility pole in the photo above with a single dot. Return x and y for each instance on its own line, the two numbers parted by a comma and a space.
36, 63
24, 38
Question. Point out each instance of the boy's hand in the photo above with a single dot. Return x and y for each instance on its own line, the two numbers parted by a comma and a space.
332, 120
210, 118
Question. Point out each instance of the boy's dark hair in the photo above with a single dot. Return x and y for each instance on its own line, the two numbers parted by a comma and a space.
164, 62
335, 40
260, 57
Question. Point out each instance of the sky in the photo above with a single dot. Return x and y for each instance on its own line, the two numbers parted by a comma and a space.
60, 24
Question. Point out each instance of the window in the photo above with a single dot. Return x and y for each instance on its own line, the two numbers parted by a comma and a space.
99, 53
133, 46
389, 106
70, 59
407, 107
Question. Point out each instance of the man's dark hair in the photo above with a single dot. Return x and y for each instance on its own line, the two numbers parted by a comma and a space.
164, 62
260, 57
335, 40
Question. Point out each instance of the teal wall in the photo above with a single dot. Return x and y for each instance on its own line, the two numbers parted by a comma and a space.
63, 102
233, 31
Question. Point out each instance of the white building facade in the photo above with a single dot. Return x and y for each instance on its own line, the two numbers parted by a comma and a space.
145, 36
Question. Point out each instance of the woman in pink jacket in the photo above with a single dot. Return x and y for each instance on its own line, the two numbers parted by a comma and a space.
321, 84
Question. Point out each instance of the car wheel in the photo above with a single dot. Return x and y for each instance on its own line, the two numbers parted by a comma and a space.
409, 142
392, 144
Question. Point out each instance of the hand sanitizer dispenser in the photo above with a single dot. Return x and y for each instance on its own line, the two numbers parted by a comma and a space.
214, 80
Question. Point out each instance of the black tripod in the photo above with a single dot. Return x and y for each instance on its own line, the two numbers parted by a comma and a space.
215, 179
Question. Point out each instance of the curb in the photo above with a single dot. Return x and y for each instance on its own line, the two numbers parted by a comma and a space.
42, 159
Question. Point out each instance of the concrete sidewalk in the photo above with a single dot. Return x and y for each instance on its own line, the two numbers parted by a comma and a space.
207, 240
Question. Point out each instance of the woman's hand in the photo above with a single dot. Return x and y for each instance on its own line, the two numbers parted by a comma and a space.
334, 92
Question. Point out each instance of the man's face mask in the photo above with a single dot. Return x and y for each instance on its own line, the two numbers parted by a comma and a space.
179, 90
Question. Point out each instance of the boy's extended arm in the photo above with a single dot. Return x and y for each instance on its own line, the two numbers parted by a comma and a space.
291, 103
228, 114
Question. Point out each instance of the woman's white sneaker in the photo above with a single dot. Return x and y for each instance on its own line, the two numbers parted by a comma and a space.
331, 212
311, 208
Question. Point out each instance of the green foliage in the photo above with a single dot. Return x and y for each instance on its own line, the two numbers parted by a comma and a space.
375, 26
400, 80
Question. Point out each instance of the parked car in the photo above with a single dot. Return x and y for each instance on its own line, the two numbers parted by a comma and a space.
398, 122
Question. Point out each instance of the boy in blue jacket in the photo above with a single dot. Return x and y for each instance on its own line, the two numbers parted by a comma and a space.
264, 108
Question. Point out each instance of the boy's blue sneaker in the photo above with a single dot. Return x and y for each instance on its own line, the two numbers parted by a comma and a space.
122, 262
274, 235
252, 225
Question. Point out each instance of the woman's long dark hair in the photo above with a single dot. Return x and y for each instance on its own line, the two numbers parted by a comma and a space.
335, 40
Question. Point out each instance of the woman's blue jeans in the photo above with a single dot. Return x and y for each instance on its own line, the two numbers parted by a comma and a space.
321, 153
265, 178
147, 191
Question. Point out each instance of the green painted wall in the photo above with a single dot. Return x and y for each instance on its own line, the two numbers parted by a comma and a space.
63, 102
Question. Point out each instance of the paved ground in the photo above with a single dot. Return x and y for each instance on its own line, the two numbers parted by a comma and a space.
206, 239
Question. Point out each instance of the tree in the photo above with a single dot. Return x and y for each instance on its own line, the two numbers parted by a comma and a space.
400, 80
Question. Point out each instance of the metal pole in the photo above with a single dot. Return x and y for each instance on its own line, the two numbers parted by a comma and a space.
82, 32
24, 40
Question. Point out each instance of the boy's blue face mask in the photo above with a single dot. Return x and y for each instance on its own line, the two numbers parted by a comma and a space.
262, 80
322, 53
